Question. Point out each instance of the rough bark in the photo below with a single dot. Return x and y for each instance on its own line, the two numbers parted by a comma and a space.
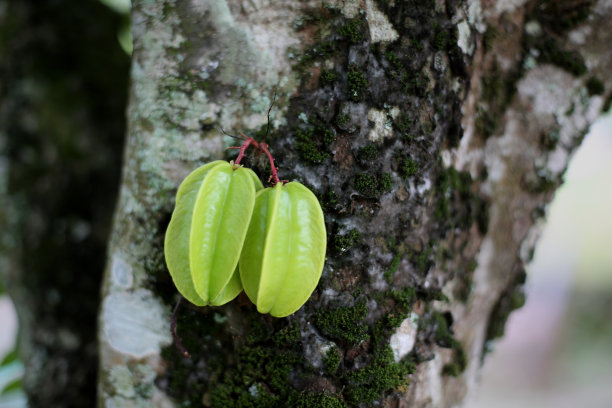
63, 81
434, 134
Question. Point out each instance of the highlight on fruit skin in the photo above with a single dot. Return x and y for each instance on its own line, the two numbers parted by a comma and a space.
206, 233
284, 249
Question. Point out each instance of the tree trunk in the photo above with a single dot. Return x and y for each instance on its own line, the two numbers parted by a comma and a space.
434, 134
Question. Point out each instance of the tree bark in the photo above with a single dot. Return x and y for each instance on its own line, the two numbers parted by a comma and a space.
434, 134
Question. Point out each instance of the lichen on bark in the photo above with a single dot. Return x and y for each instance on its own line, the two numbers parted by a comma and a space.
413, 135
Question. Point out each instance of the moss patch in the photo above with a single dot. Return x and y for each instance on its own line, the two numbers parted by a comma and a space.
328, 76
357, 84
388, 275
316, 400
331, 361
367, 384
313, 142
444, 337
373, 185
345, 242
368, 154
408, 167
344, 322
353, 30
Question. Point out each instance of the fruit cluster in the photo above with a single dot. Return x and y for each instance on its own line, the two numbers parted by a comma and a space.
228, 233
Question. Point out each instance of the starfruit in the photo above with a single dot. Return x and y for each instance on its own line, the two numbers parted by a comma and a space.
284, 250
206, 233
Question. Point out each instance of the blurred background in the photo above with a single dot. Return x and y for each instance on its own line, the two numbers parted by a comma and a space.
557, 349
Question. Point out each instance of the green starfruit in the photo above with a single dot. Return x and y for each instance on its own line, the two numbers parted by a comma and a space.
206, 233
284, 250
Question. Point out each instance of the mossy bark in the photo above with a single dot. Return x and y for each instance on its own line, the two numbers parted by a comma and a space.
433, 134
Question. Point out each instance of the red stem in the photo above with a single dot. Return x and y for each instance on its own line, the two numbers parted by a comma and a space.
264, 148
258, 146
245, 145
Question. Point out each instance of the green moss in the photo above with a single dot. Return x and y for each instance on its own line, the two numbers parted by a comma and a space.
368, 384
440, 40
328, 76
342, 120
463, 288
308, 148
404, 297
386, 182
318, 400
422, 259
368, 154
497, 90
403, 301
394, 60
414, 83
265, 368
328, 201
344, 322
353, 30
388, 275
287, 336
443, 337
331, 361
357, 84
256, 374
343, 243
191, 327
486, 123
406, 126
373, 186
366, 184
408, 168
595, 86
418, 45
492, 84
458, 365
312, 142
394, 320
319, 51
327, 135
505, 306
